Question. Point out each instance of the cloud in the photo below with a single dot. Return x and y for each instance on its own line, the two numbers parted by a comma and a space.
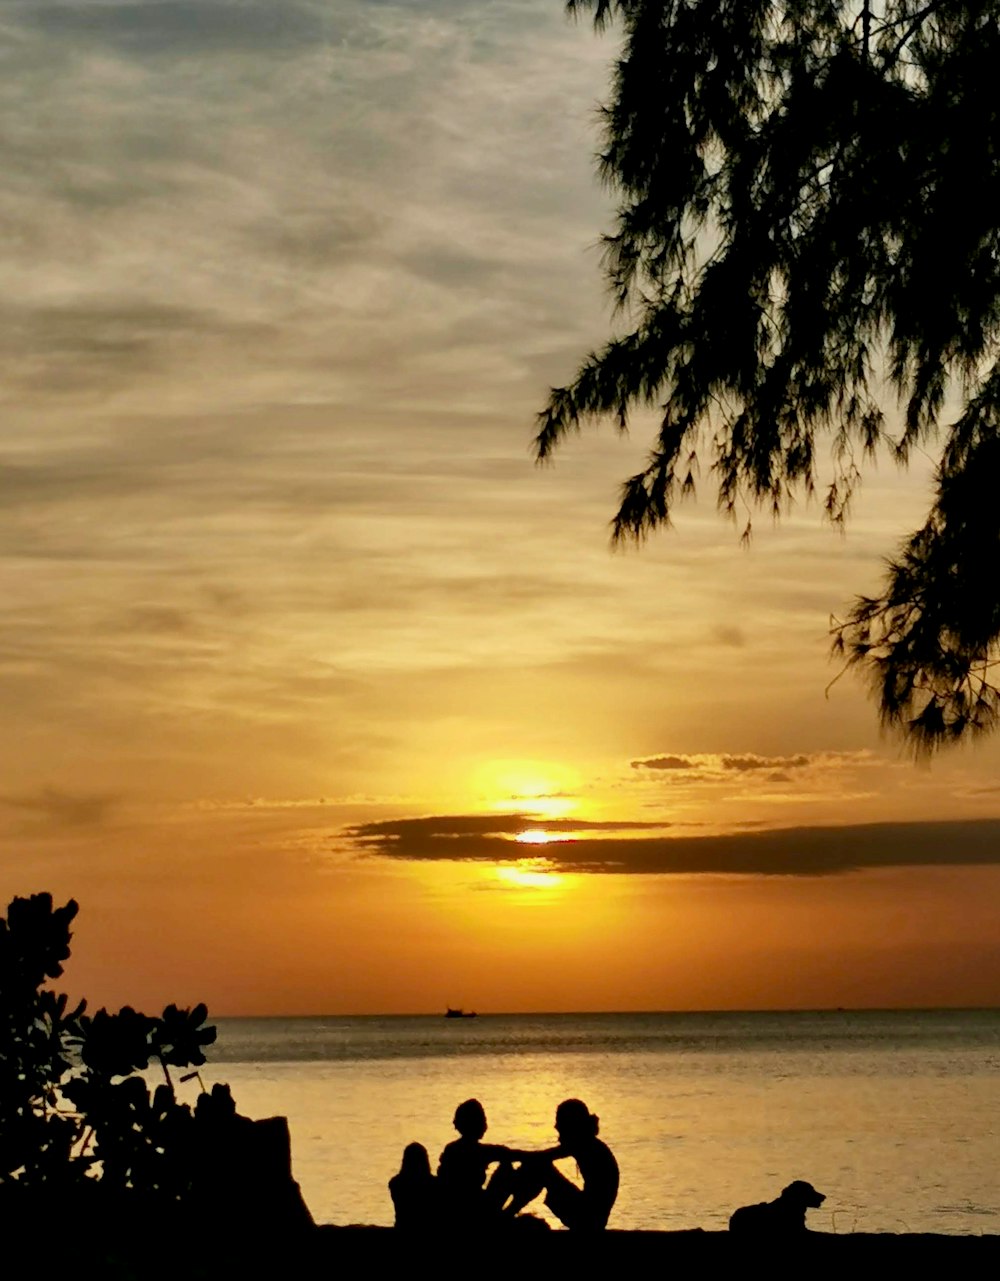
64, 809
284, 284
156, 28
255, 202
794, 851
733, 637
775, 768
667, 762
751, 762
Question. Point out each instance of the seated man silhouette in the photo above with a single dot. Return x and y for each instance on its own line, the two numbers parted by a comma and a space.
583, 1209
463, 1166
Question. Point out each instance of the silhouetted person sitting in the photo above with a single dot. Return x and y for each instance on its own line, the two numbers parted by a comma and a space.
414, 1192
784, 1217
583, 1209
463, 1167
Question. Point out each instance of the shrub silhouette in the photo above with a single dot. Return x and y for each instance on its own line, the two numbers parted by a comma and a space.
74, 1113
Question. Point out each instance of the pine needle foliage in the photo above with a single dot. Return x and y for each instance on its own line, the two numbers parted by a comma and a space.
808, 234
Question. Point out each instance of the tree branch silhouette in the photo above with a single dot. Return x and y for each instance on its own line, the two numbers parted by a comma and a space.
807, 231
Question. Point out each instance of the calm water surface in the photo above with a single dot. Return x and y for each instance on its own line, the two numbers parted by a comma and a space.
894, 1115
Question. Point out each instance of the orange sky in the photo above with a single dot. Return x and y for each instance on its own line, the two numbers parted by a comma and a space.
278, 571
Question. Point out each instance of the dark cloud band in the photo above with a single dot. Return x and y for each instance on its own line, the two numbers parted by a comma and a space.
792, 851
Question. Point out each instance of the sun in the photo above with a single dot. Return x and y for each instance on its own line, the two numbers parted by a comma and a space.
539, 788
534, 836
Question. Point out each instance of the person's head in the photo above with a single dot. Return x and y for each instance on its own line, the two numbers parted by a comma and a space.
470, 1119
575, 1123
416, 1162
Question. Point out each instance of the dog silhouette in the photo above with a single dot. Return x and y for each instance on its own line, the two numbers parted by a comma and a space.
783, 1217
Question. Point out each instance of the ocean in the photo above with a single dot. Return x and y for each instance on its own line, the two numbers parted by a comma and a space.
894, 1115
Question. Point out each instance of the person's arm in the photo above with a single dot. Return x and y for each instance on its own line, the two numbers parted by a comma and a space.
498, 1152
545, 1154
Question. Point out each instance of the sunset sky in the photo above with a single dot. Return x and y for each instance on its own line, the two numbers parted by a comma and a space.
318, 695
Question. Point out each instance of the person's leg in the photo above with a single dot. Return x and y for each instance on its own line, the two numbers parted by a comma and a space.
501, 1185
525, 1183
565, 1200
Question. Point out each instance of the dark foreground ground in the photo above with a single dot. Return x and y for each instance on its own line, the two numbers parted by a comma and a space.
122, 1254
693, 1256
661, 1252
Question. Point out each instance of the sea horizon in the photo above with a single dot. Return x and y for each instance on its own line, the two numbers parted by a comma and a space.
580, 1013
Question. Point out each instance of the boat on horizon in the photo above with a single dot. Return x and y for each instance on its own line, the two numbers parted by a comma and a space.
460, 1014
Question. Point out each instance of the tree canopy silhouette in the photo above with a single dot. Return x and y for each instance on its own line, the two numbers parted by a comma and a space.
807, 233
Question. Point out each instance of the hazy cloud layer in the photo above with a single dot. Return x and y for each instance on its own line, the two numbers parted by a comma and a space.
796, 851
285, 285
256, 203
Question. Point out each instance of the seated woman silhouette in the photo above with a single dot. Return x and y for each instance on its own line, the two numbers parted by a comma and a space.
583, 1209
414, 1192
463, 1166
